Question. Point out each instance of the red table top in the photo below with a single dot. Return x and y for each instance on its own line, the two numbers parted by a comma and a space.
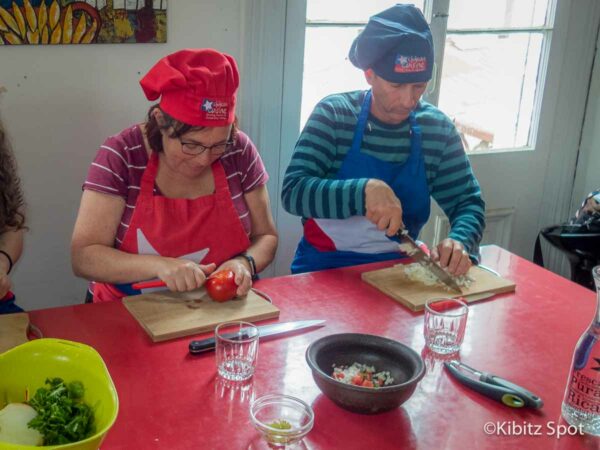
171, 400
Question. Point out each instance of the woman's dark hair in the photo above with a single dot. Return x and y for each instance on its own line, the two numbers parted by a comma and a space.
153, 128
12, 202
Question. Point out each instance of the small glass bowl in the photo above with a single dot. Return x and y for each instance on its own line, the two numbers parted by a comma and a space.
282, 420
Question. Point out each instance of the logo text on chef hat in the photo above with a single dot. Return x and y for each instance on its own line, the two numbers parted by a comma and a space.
409, 64
215, 109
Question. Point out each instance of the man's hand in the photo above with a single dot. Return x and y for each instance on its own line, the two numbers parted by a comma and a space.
452, 256
383, 208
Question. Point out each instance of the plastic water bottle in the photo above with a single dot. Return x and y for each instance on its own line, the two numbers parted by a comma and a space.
581, 405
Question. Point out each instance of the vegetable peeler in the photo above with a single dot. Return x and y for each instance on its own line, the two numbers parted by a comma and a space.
493, 386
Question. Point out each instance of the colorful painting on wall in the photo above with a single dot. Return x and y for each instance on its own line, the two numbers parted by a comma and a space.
45, 22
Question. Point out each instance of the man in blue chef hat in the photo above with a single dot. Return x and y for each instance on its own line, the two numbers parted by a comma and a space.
367, 162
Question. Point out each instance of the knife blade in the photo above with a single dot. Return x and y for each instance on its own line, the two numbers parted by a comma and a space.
274, 329
425, 261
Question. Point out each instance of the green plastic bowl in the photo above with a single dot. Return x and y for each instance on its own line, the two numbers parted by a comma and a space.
27, 366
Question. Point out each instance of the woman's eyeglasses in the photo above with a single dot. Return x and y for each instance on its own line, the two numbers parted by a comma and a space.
195, 149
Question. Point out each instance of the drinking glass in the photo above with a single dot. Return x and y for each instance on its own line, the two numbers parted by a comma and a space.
236, 350
445, 323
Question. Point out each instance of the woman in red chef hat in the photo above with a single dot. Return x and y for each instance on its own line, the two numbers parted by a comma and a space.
182, 194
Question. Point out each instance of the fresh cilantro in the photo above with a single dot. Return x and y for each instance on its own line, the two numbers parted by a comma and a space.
62, 416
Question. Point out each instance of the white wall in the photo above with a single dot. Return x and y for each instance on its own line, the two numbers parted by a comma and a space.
588, 166
61, 103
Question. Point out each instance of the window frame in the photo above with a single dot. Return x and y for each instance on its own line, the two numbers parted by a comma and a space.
436, 12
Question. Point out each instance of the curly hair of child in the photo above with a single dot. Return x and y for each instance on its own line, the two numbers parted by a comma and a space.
12, 202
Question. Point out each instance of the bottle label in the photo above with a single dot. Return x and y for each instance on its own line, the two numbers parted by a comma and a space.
584, 388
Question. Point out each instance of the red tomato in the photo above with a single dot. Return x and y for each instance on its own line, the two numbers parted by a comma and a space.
357, 380
221, 286
367, 383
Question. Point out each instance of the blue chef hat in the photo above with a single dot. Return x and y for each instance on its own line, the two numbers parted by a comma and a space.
396, 44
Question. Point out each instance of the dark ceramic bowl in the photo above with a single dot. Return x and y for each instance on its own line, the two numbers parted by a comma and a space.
404, 364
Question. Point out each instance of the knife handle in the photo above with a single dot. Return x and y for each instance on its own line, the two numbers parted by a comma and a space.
202, 346
148, 284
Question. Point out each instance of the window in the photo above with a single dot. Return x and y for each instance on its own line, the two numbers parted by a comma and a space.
491, 65
331, 26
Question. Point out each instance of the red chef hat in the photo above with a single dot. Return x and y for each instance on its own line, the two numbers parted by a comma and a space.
196, 87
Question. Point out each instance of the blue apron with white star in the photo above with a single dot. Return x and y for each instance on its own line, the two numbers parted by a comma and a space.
331, 243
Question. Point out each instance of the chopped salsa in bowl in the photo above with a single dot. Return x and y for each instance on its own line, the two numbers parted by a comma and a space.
362, 375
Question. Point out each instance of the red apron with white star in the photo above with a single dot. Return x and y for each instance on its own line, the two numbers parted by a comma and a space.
206, 229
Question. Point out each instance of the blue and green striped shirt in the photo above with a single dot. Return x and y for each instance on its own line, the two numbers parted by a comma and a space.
310, 190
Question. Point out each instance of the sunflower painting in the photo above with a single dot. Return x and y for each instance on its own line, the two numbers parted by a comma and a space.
34, 22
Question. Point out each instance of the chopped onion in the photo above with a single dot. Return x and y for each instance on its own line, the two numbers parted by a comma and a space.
419, 274
408, 249
13, 425
416, 272
346, 375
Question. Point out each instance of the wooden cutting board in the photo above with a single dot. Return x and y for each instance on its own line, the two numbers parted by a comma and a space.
13, 330
168, 315
413, 295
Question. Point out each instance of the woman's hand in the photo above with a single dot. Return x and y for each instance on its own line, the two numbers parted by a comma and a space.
452, 256
243, 277
5, 284
181, 275
383, 208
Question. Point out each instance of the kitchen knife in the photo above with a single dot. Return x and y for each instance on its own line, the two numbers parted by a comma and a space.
273, 329
424, 260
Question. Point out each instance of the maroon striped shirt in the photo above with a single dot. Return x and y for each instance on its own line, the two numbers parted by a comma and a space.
121, 160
